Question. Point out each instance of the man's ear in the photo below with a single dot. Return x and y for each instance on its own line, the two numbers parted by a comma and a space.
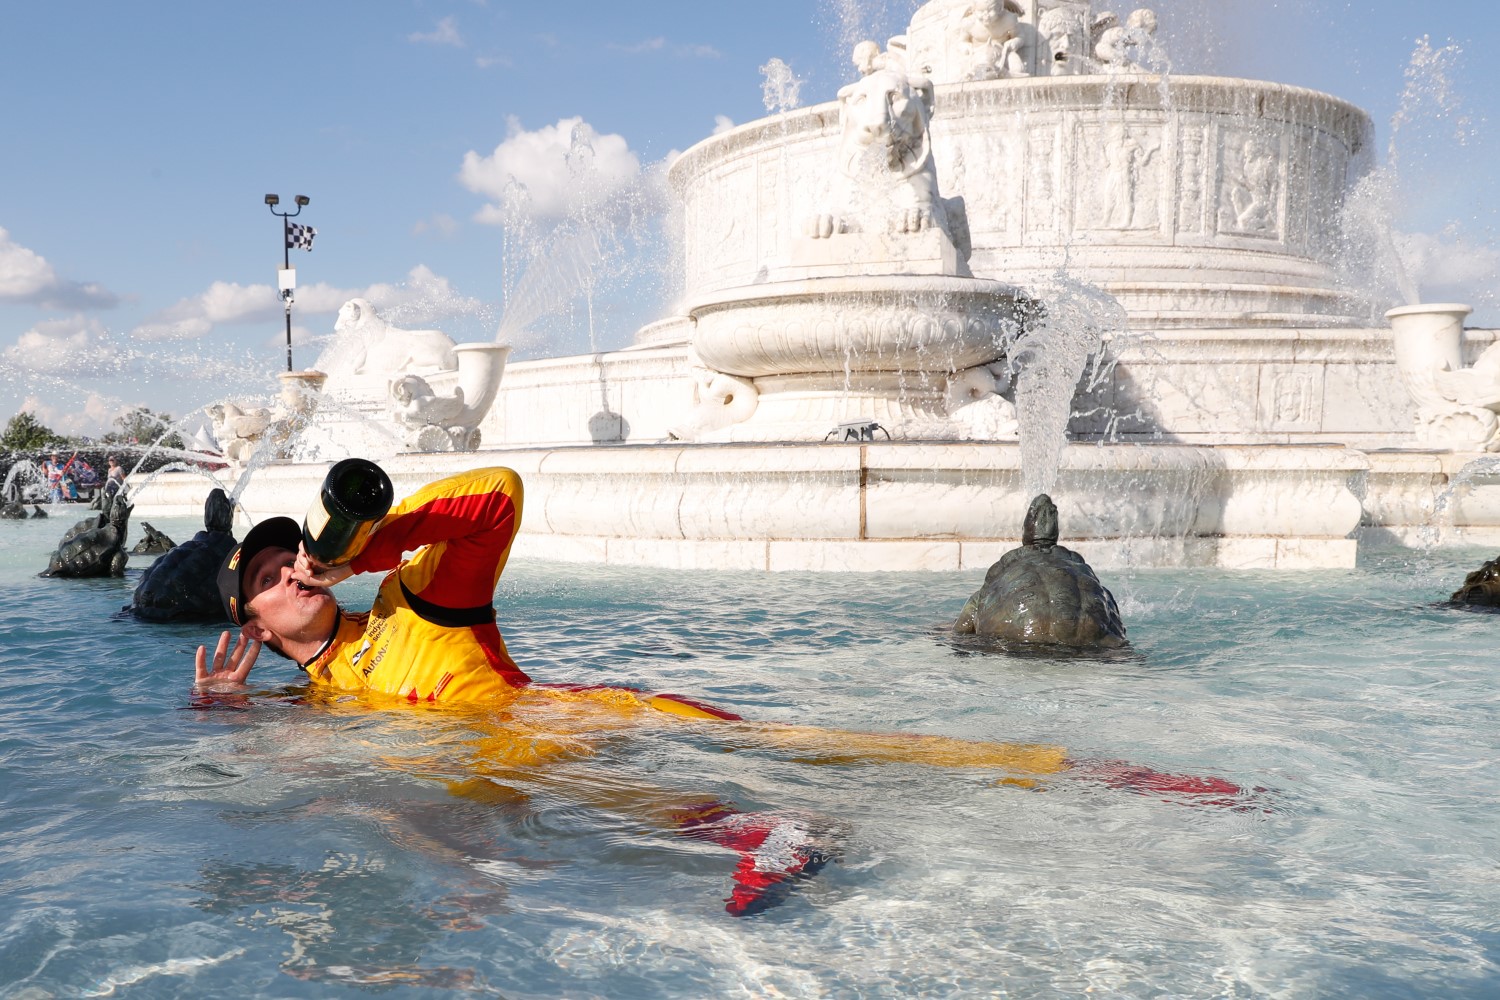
255, 631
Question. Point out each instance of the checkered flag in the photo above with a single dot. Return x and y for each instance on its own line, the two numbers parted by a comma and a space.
299, 237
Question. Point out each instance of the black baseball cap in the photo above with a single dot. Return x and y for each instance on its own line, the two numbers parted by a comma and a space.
273, 532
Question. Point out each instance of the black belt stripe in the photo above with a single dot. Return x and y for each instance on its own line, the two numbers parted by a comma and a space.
448, 617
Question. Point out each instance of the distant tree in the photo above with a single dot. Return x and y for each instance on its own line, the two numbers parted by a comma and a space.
141, 426
25, 433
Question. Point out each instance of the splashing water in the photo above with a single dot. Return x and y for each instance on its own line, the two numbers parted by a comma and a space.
1374, 256
1429, 95
851, 26
550, 281
780, 88
24, 481
605, 240
849, 22
1047, 362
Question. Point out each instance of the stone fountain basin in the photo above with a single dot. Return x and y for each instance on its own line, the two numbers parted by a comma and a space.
887, 506
864, 323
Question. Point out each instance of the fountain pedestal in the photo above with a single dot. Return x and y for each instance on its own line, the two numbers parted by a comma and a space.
825, 351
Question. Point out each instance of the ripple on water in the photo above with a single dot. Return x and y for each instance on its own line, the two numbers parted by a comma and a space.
345, 851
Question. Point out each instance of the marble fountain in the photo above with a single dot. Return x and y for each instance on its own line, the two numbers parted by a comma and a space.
1011, 257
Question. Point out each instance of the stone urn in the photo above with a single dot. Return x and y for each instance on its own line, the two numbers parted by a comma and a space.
299, 390
1427, 339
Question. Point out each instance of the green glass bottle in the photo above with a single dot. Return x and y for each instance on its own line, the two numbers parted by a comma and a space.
355, 495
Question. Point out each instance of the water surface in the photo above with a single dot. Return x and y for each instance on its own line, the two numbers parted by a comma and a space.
148, 849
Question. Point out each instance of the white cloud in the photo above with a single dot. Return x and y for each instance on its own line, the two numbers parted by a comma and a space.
23, 272
548, 172
300, 335
722, 124
228, 302
649, 45
446, 33
1447, 261
93, 416
424, 297
441, 224
26, 277
224, 302
659, 44
423, 294
76, 345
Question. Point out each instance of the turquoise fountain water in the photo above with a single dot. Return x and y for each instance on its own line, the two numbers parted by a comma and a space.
278, 848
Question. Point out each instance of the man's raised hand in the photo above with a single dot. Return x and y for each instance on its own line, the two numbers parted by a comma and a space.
230, 667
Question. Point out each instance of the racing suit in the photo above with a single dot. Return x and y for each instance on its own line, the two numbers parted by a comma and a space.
431, 634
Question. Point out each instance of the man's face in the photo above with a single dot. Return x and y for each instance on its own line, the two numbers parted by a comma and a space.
282, 605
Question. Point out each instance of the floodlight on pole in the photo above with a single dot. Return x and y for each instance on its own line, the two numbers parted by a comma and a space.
287, 279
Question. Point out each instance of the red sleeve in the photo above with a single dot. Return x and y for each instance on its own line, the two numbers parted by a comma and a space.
462, 526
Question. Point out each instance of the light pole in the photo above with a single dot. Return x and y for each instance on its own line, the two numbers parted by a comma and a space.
287, 279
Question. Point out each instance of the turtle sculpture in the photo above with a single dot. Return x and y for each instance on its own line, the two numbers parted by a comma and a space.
94, 546
182, 584
155, 543
1043, 593
1481, 587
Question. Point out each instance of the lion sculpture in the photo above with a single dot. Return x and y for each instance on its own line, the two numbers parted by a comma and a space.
886, 181
365, 344
239, 430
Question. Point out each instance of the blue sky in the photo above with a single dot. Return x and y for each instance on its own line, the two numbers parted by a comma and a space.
137, 259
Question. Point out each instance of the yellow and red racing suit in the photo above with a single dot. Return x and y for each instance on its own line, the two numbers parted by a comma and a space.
431, 634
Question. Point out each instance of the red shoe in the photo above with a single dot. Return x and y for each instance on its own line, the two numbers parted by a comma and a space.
1144, 781
776, 852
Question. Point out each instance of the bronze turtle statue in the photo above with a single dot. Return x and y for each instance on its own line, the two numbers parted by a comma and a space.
155, 543
182, 584
15, 510
1043, 593
94, 546
1481, 587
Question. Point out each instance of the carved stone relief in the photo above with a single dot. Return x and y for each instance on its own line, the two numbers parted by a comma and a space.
728, 245
988, 188
1289, 399
772, 193
1251, 185
1043, 165
1127, 172
1190, 195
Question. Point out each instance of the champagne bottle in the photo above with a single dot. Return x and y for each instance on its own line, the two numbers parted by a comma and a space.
355, 495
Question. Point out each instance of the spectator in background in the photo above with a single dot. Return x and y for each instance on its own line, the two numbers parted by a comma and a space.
114, 479
53, 469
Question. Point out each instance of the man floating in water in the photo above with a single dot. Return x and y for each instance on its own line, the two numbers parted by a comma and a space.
431, 638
